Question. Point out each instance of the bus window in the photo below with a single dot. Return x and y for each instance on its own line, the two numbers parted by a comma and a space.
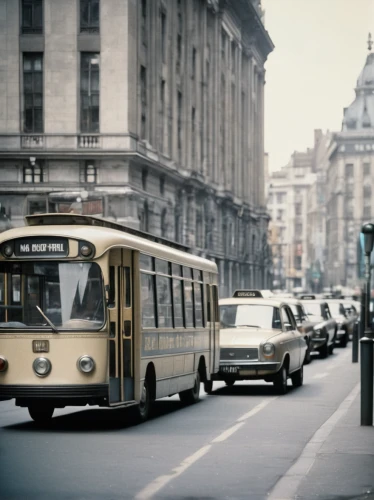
164, 305
127, 276
148, 300
16, 289
188, 303
146, 262
178, 303
187, 272
162, 266
208, 302
176, 270
198, 304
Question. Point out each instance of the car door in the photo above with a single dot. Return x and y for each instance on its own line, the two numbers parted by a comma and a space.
292, 337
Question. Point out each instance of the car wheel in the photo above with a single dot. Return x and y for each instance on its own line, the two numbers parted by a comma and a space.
41, 414
144, 406
344, 340
324, 351
308, 355
208, 386
191, 396
229, 382
298, 377
280, 381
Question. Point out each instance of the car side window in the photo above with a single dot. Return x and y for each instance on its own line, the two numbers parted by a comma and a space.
327, 312
287, 321
276, 323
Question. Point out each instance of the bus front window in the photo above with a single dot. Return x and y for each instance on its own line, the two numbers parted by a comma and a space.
70, 294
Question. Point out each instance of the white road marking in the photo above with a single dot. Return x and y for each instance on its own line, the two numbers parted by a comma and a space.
321, 375
288, 485
161, 481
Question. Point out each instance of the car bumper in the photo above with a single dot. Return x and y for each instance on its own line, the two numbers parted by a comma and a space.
244, 369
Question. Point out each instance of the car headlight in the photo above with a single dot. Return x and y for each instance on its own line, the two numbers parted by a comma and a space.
42, 366
268, 349
318, 332
85, 364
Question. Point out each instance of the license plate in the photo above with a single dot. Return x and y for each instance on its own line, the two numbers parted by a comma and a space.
229, 369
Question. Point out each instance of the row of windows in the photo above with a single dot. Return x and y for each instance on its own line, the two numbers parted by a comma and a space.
36, 174
171, 294
32, 16
89, 92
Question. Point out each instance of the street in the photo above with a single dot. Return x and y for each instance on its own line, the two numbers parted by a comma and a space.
238, 443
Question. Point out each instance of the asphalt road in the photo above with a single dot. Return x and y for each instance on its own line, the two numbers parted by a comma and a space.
237, 443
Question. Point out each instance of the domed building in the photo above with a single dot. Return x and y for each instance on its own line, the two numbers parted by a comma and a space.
350, 177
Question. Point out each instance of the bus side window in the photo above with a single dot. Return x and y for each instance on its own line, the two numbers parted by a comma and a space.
188, 303
199, 311
215, 303
148, 300
208, 302
112, 287
178, 303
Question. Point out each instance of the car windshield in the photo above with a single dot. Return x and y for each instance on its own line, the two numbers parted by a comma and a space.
314, 309
68, 294
251, 315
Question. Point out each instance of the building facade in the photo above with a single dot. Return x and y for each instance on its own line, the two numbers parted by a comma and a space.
350, 177
146, 112
288, 208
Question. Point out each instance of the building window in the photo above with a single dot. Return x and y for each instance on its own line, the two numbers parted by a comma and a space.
90, 16
32, 17
90, 92
144, 179
33, 174
163, 35
349, 170
223, 45
193, 135
143, 28
163, 223
179, 52
162, 114
88, 173
37, 207
298, 209
33, 92
193, 72
366, 169
162, 185
179, 124
143, 101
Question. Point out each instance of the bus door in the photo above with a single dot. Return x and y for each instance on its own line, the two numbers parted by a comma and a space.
121, 363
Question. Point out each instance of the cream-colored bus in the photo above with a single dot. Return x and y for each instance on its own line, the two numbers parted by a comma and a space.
93, 313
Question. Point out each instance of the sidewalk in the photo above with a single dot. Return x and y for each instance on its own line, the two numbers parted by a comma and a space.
343, 466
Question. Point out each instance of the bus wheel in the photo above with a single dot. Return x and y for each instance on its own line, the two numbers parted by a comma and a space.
208, 386
191, 396
144, 405
41, 414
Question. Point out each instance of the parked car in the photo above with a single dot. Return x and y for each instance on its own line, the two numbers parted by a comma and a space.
304, 324
259, 339
345, 319
325, 327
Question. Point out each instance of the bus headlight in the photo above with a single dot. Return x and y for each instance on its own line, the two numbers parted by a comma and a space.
3, 364
268, 349
42, 366
85, 364
7, 250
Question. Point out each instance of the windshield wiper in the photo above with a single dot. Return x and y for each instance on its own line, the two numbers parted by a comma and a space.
54, 328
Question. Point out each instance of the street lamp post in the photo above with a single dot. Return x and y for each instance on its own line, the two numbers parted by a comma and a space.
367, 341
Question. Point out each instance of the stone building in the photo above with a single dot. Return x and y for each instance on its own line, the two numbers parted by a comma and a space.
350, 177
288, 208
147, 112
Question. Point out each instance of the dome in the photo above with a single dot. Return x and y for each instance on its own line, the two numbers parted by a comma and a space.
360, 114
366, 78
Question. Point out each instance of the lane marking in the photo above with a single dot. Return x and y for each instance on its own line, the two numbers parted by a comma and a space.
160, 482
321, 375
288, 485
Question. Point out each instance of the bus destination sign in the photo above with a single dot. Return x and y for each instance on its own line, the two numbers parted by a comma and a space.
41, 247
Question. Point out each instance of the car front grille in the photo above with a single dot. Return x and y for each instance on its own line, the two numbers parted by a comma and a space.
235, 354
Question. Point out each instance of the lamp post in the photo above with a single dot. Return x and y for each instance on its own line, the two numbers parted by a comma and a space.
367, 341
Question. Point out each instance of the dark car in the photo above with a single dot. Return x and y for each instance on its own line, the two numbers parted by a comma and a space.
325, 327
345, 318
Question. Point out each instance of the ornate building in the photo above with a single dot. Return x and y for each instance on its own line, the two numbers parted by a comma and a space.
350, 177
147, 112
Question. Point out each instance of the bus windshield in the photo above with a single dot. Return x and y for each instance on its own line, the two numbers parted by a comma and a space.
69, 294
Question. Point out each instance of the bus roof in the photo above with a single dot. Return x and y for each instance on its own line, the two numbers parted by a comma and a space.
105, 235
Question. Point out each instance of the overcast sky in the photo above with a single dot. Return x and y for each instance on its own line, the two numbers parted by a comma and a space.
320, 49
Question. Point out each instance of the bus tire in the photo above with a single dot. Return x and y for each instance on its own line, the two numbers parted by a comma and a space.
191, 396
208, 386
41, 414
144, 406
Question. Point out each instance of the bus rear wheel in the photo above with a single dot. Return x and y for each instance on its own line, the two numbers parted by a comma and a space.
144, 406
41, 414
191, 396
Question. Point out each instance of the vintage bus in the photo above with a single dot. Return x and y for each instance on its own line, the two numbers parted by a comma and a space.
94, 313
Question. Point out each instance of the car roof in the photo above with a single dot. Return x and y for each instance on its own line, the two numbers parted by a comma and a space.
252, 300
292, 300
